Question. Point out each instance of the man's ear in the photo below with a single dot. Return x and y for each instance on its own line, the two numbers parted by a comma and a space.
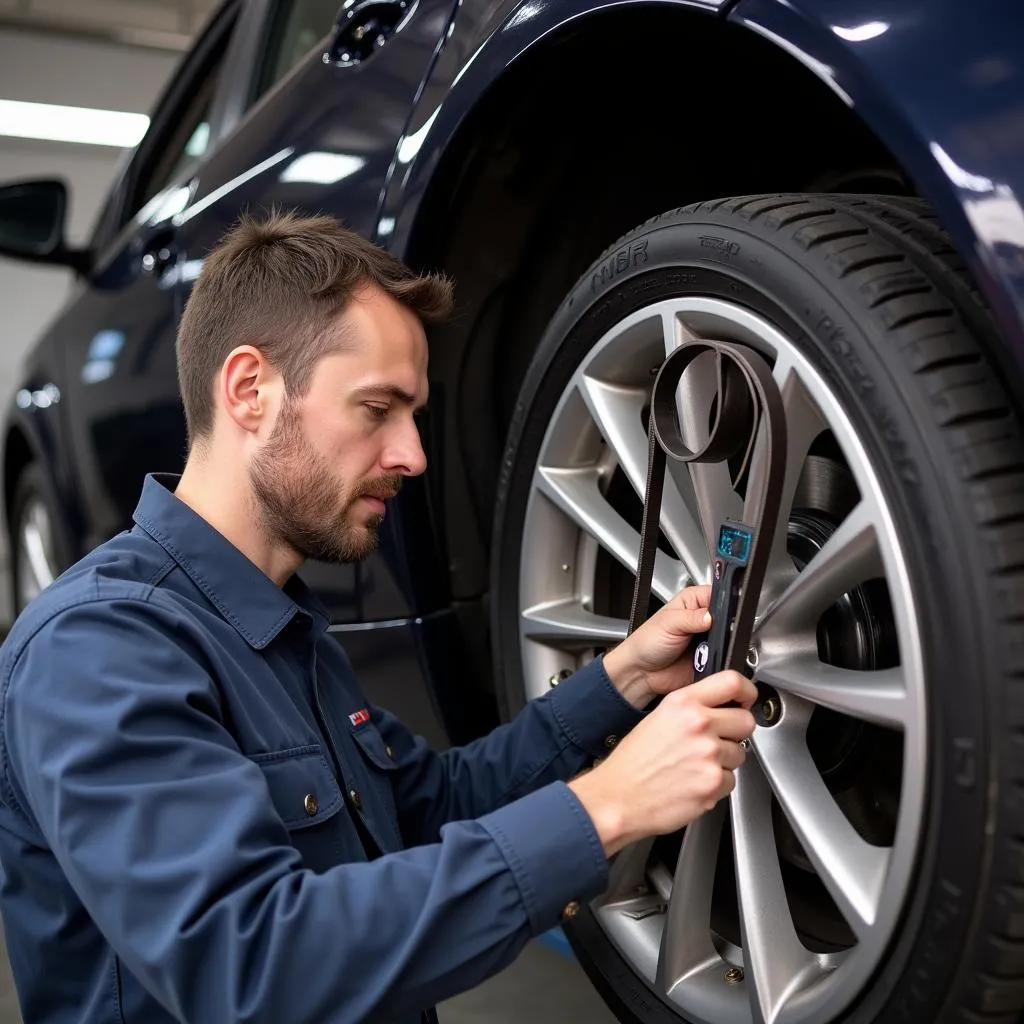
248, 387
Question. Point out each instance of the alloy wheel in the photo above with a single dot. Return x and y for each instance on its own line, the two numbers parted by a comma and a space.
35, 556
780, 904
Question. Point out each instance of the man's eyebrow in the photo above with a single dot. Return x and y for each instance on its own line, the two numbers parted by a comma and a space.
389, 391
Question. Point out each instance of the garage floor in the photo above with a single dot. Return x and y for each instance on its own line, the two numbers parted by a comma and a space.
544, 986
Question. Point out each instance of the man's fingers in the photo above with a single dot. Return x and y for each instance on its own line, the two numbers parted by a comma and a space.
694, 598
732, 755
687, 621
732, 724
721, 688
697, 620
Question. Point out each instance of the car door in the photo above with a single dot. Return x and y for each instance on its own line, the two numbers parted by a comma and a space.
120, 400
322, 94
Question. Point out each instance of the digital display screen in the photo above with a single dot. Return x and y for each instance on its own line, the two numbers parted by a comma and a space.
734, 542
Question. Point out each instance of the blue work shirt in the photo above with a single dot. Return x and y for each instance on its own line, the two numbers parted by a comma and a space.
203, 820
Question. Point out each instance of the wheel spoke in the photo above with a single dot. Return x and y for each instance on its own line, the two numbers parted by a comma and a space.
627, 873
776, 961
849, 557
879, 697
617, 411
852, 869
631, 909
568, 625
686, 946
576, 493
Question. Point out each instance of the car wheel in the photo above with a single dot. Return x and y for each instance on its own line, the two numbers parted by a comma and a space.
868, 865
35, 552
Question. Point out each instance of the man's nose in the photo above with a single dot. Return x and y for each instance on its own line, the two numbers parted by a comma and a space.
405, 453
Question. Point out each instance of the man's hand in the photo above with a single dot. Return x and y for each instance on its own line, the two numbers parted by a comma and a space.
674, 766
650, 662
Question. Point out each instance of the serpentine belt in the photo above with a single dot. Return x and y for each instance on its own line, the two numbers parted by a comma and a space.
748, 398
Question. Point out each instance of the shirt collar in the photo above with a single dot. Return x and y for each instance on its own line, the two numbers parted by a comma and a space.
245, 595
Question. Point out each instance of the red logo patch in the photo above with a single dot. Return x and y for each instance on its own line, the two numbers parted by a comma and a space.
360, 717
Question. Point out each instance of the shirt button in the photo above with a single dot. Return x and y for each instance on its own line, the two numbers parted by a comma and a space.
357, 800
310, 804
610, 741
388, 751
571, 909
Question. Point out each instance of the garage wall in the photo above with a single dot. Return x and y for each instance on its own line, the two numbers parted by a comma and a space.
53, 69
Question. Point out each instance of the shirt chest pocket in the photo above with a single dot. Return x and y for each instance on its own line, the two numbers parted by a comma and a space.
377, 766
308, 799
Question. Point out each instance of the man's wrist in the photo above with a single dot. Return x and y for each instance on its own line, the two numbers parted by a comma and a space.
627, 679
607, 816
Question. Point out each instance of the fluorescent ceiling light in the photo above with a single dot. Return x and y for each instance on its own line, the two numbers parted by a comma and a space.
53, 123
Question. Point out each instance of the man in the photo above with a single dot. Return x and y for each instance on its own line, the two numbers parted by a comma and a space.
201, 819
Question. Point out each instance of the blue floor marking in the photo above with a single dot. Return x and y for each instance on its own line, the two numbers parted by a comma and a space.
555, 939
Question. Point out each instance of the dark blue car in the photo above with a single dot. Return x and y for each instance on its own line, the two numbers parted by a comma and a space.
836, 183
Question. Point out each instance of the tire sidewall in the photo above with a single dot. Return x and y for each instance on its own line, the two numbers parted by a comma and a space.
708, 254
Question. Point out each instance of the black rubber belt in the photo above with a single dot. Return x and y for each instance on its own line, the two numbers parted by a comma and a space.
748, 397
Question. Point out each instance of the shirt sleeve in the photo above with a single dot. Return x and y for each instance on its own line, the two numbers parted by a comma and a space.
552, 739
116, 752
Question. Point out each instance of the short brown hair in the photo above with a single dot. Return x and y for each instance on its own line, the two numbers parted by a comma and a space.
279, 284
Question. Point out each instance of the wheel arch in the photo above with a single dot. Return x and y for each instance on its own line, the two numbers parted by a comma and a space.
533, 171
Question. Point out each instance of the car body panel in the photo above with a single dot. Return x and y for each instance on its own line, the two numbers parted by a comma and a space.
109, 351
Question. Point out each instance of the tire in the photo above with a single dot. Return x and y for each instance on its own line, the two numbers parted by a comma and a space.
32, 497
875, 305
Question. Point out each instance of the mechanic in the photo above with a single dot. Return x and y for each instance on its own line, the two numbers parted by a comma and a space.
203, 820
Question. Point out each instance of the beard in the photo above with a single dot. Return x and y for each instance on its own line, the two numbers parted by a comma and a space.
302, 504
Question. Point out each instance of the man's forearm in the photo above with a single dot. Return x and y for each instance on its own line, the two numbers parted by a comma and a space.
552, 739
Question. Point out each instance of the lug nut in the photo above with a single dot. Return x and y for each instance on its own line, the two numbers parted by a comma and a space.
752, 658
734, 975
768, 707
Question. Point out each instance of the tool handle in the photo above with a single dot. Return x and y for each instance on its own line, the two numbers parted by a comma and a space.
749, 404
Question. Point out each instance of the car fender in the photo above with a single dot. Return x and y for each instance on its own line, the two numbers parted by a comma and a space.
939, 83
935, 80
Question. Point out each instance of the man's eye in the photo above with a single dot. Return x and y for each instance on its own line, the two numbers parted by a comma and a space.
378, 411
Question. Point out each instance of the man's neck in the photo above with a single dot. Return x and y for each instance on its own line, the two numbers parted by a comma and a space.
221, 495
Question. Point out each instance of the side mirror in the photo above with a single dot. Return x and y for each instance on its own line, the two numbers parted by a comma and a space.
32, 222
